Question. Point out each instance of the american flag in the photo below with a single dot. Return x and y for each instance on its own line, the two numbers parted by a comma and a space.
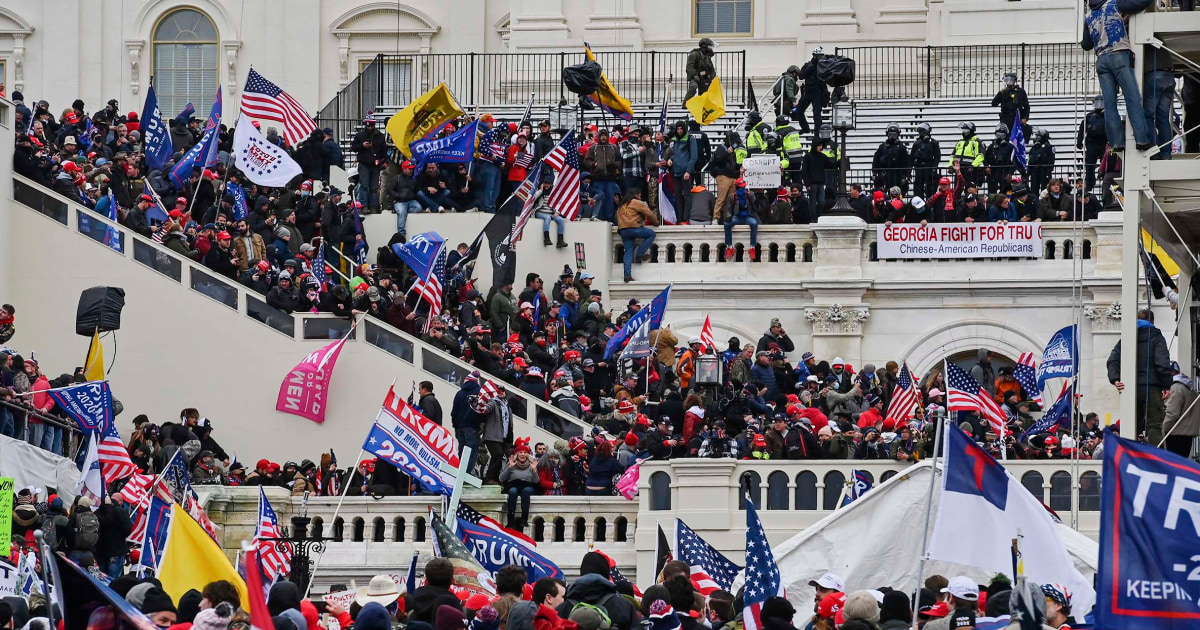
318, 266
493, 145
430, 289
114, 459
471, 515
1026, 374
904, 398
711, 570
706, 335
175, 483
762, 574
487, 392
275, 560
266, 101
137, 490
965, 394
564, 158
526, 193
192, 505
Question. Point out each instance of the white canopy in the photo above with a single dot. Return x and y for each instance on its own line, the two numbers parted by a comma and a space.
30, 466
876, 541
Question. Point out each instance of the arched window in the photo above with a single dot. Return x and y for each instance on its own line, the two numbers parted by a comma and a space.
750, 484
359, 527
378, 529
1033, 481
1060, 491
660, 491
834, 482
806, 490
318, 527
560, 529
580, 529
777, 490
601, 526
539, 529
185, 62
1089, 492
621, 527
398, 529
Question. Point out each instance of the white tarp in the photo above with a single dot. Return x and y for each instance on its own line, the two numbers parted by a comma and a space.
30, 466
875, 542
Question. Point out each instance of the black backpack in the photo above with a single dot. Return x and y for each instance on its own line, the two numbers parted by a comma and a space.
87, 531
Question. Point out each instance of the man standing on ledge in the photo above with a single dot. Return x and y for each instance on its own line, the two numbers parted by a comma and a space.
1153, 376
700, 69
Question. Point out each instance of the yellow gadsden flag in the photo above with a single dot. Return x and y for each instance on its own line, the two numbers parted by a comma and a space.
607, 96
706, 108
426, 113
191, 558
93, 365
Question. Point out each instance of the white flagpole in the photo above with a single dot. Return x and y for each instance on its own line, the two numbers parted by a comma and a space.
338, 509
937, 447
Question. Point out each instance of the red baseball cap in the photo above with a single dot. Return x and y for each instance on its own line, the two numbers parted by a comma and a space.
831, 605
71, 117
877, 195
181, 200
223, 235
146, 198
175, 214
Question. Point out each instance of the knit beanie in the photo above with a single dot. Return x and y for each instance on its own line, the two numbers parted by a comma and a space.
189, 606
861, 605
296, 617
213, 618
895, 607
137, 594
486, 618
373, 616
663, 617
157, 600
778, 608
449, 618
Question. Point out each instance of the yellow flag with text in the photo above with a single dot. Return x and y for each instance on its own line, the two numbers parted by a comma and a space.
607, 96
426, 113
708, 107
93, 365
192, 559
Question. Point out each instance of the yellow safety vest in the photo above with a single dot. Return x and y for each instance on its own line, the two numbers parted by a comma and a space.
740, 154
968, 152
755, 142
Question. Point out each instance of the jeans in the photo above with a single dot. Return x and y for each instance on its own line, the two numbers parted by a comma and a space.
548, 217
113, 567
816, 202
37, 432
629, 237
683, 198
431, 202
741, 219
487, 178
1115, 69
403, 208
519, 490
8, 426
368, 185
1158, 93
604, 192
469, 436
56, 439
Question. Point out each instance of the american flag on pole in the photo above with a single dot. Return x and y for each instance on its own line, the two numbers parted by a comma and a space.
711, 570
430, 289
965, 394
528, 193
471, 515
564, 159
1026, 374
487, 392
275, 559
904, 398
762, 574
114, 459
706, 338
266, 101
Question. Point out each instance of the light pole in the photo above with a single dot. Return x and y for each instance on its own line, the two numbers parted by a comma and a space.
843, 121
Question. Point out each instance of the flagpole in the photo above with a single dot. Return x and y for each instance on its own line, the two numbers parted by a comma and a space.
937, 443
345, 491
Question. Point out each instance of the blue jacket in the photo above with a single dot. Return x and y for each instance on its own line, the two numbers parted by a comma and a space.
683, 156
1104, 25
765, 374
461, 414
601, 472
996, 213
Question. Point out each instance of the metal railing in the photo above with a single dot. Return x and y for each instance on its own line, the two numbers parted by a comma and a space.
298, 326
927, 72
488, 79
71, 441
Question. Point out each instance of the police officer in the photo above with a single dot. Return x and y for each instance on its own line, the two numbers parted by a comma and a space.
791, 151
1000, 160
756, 141
1041, 160
967, 158
786, 90
814, 92
926, 155
1012, 100
890, 166
1091, 135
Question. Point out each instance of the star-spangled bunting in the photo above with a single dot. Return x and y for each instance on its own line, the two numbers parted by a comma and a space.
710, 569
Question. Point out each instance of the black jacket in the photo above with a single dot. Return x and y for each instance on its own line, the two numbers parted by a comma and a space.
1155, 371
596, 590
115, 526
431, 408
423, 603
402, 188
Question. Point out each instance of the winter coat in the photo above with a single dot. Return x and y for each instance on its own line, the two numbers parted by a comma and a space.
603, 161
567, 400
177, 242
494, 426
1181, 412
461, 414
423, 603
1156, 371
666, 341
596, 590
635, 214
402, 188
684, 152
983, 373
528, 474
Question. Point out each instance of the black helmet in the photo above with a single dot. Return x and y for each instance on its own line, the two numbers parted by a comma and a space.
1040, 135
893, 128
733, 138
793, 70
825, 132
968, 129
706, 43
782, 121
719, 424
752, 119
924, 129
1010, 78
290, 465
1002, 129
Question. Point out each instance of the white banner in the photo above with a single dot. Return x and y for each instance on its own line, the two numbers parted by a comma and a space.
960, 240
762, 171
8, 580
32, 467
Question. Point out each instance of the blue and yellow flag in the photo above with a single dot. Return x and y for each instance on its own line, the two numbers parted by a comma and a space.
193, 558
607, 96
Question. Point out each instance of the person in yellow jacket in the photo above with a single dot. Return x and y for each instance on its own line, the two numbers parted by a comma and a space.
791, 149
686, 368
756, 140
967, 158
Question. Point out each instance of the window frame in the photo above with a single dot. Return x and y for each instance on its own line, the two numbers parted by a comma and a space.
397, 63
155, 41
696, 26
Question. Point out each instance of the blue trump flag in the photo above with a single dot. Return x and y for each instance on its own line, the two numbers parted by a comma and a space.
1060, 359
456, 147
1149, 574
155, 212
494, 549
420, 253
858, 487
86, 594
112, 236
1056, 415
240, 209
203, 154
183, 116
155, 134
85, 138
655, 312
158, 525
1017, 138
90, 404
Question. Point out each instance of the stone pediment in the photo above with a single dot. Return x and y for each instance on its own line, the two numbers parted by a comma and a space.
384, 19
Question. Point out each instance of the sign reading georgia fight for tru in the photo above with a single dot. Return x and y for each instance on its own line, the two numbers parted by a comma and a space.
960, 240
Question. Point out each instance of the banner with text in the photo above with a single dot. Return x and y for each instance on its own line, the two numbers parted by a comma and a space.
960, 240
416, 445
762, 171
304, 390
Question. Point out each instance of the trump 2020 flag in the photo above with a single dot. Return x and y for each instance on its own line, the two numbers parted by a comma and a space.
983, 509
1058, 414
305, 389
240, 209
494, 549
1060, 359
1148, 576
89, 404
654, 313
416, 445
264, 163
195, 158
456, 147
1017, 138
420, 252
155, 133
858, 487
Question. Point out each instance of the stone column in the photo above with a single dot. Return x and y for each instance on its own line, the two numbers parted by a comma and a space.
1104, 319
539, 25
829, 20
18, 59
343, 59
230, 49
838, 311
614, 23
133, 52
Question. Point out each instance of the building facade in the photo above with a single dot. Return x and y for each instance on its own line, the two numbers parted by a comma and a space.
96, 50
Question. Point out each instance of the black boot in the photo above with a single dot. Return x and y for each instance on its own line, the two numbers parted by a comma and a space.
512, 521
546, 239
561, 241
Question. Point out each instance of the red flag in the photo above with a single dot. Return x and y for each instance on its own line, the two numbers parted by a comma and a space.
260, 618
706, 336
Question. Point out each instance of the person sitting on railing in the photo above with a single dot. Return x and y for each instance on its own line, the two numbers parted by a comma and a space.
1057, 204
